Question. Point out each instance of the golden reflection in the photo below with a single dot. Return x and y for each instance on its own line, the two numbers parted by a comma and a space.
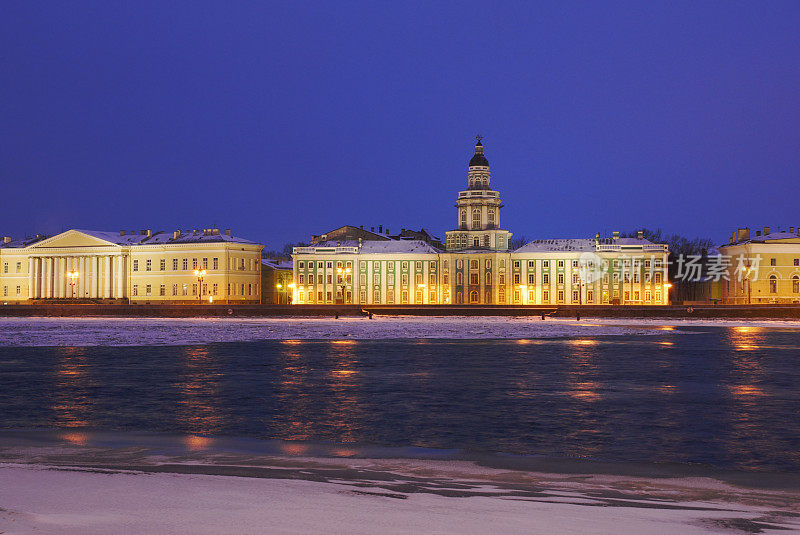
585, 391
523, 342
745, 390
71, 404
583, 342
291, 342
746, 338
75, 437
294, 448
666, 389
195, 442
343, 404
665, 328
199, 406
344, 452
666, 343
295, 424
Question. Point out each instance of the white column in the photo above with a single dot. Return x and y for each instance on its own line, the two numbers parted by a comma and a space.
119, 268
94, 261
107, 275
81, 278
48, 278
57, 278
38, 278
31, 265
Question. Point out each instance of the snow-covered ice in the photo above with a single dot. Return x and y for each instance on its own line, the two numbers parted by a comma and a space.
180, 331
389, 496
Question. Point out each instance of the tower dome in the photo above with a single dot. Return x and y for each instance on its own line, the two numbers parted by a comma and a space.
478, 158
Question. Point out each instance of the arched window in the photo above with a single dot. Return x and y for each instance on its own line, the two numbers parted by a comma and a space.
795, 284
473, 264
488, 297
773, 284
459, 298
459, 279
491, 216
464, 217
488, 278
473, 297
476, 218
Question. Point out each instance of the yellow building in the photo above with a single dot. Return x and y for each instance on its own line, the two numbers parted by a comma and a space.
478, 268
135, 267
764, 268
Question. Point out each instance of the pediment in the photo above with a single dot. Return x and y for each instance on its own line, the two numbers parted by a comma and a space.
72, 238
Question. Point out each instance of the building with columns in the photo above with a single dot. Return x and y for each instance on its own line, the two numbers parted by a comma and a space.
477, 267
131, 267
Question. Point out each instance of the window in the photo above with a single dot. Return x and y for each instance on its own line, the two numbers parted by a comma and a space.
473, 278
404, 279
5, 267
432, 280
473, 297
215, 263
162, 290
446, 264
320, 278
185, 264
516, 278
135, 288
575, 296
362, 279
574, 263
194, 263
531, 264
404, 296
418, 265
445, 279
546, 296
772, 261
376, 278
488, 264
473, 264
185, 289
560, 296
545, 278
561, 263
501, 278
546, 264
194, 289
390, 278
330, 279
476, 218
560, 278
516, 264
459, 279
773, 283
590, 296
531, 279
136, 266
5, 290
174, 264
658, 277
574, 278
476, 242
796, 263
174, 289
488, 278
148, 289
418, 279
404, 266
795, 285
376, 296
301, 279
459, 264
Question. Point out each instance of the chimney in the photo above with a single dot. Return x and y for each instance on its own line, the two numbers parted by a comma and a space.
360, 242
361, 227
743, 234
615, 235
121, 232
195, 232
176, 234
6, 239
766, 231
227, 232
147, 232
372, 229
640, 235
758, 233
791, 230
133, 233
215, 231
733, 238
380, 229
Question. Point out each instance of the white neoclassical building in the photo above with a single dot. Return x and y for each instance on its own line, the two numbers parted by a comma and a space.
135, 267
477, 267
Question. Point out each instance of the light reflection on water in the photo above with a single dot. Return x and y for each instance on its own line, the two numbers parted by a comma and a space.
724, 396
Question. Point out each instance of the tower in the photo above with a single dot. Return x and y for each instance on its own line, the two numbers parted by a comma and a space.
478, 210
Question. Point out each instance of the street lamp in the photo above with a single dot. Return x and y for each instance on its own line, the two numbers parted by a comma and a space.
342, 279
72, 275
200, 274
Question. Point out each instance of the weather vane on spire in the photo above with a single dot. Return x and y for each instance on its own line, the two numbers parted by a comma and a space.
479, 138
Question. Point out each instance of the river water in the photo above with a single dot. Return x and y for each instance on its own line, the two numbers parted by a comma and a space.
723, 397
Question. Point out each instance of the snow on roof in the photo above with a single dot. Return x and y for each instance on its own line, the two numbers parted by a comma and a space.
566, 244
277, 264
21, 242
632, 241
162, 237
385, 247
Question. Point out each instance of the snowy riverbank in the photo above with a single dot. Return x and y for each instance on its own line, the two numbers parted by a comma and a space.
304, 495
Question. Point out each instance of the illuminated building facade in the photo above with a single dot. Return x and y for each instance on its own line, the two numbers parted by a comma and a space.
477, 267
764, 268
135, 267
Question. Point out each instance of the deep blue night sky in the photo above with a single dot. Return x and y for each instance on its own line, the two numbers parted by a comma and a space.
282, 119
